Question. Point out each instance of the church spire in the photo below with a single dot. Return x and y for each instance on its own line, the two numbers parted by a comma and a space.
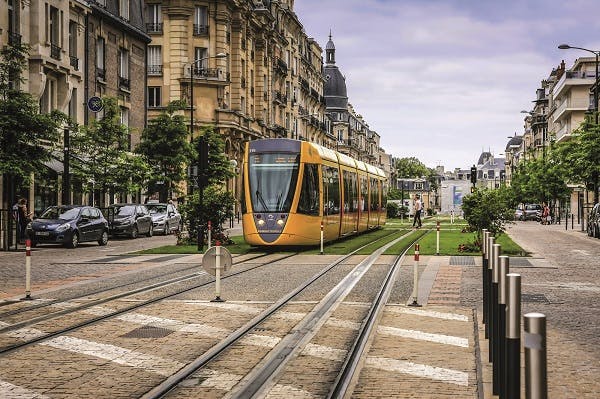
330, 51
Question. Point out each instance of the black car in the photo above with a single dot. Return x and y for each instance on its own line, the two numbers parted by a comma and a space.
593, 227
69, 225
130, 219
165, 217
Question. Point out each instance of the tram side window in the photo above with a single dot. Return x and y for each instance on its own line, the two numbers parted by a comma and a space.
243, 196
374, 195
384, 193
331, 185
308, 203
364, 192
353, 192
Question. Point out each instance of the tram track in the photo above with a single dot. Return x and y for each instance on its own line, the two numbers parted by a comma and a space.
72, 310
260, 376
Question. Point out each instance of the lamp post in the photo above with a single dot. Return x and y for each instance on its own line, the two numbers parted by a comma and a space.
596, 53
203, 155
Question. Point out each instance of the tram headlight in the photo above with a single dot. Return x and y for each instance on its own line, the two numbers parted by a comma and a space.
261, 222
280, 222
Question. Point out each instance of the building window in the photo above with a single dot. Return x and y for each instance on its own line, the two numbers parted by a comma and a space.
154, 99
73, 105
200, 60
73, 60
243, 105
48, 100
154, 24
123, 68
154, 60
54, 31
124, 9
100, 71
124, 117
201, 21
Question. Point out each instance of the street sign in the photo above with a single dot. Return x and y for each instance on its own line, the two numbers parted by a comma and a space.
209, 260
95, 104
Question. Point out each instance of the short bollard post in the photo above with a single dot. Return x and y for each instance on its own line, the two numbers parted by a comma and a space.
495, 317
437, 241
534, 341
217, 273
566, 221
209, 234
501, 342
416, 279
513, 337
321, 237
488, 277
484, 260
572, 219
27, 269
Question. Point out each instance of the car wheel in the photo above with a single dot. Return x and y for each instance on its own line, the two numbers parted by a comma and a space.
134, 232
150, 231
167, 229
103, 238
74, 240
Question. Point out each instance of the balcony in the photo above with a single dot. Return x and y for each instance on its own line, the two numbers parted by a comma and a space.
243, 83
14, 39
208, 75
281, 67
55, 51
124, 83
74, 62
101, 73
155, 70
154, 28
570, 105
200, 30
573, 78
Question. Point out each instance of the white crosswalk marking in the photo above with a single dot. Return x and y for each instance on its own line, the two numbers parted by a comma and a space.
423, 336
419, 370
427, 313
10, 391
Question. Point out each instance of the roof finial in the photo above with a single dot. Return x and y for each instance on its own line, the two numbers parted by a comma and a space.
329, 33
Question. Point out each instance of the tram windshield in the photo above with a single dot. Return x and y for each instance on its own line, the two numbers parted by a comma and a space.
273, 179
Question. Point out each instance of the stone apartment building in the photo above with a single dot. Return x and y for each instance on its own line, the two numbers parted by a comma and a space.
78, 49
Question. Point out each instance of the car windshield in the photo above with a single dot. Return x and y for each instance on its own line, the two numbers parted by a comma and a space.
154, 209
125, 210
55, 212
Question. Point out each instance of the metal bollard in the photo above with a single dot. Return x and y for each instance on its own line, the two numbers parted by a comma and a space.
484, 265
416, 279
488, 277
536, 379
572, 219
217, 272
566, 221
321, 237
513, 337
501, 342
494, 333
209, 234
27, 269
437, 241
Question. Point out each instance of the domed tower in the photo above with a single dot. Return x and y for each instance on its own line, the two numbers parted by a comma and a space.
336, 97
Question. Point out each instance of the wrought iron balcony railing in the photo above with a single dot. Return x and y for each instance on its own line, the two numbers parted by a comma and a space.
200, 30
124, 82
14, 38
74, 61
154, 27
100, 73
155, 70
55, 51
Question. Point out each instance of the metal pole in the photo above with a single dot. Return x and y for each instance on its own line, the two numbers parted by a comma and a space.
321, 237
596, 90
66, 191
501, 342
416, 279
493, 341
209, 235
27, 269
513, 337
536, 379
484, 261
218, 273
437, 241
572, 218
489, 290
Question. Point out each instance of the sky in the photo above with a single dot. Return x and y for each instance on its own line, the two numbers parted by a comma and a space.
444, 80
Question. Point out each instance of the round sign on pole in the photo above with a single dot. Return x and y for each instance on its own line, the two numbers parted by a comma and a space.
209, 260
95, 104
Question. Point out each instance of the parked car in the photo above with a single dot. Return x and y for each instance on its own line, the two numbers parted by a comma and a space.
165, 218
593, 227
69, 225
529, 212
130, 219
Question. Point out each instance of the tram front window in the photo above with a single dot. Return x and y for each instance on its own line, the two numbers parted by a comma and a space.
273, 179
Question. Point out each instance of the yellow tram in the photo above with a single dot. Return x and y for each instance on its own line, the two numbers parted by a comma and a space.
292, 186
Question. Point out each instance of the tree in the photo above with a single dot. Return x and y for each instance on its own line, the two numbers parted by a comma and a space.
165, 147
489, 209
27, 138
101, 157
410, 168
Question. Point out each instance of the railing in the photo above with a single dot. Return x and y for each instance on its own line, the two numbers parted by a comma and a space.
200, 30
124, 82
55, 51
281, 66
14, 38
155, 69
154, 27
100, 73
279, 97
243, 83
74, 61
205, 73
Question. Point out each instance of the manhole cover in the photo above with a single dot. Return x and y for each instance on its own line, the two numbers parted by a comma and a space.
535, 298
462, 261
519, 262
148, 332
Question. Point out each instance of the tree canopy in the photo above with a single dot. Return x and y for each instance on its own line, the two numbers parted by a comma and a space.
411, 167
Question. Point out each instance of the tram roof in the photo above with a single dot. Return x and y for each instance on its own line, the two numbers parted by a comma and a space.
334, 156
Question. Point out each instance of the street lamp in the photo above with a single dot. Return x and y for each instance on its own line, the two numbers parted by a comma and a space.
596, 53
203, 155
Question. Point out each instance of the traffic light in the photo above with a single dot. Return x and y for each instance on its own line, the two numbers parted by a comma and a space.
473, 174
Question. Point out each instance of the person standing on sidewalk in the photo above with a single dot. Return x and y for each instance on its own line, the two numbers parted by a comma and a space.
546, 218
418, 207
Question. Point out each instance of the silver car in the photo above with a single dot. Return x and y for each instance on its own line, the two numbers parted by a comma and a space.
165, 217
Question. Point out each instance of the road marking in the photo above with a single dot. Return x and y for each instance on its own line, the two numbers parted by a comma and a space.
428, 313
10, 391
324, 352
423, 336
286, 391
127, 357
419, 370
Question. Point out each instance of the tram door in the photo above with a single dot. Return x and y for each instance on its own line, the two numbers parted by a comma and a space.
331, 202
350, 201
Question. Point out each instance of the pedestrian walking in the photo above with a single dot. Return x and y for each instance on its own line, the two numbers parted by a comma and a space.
23, 218
546, 218
418, 208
